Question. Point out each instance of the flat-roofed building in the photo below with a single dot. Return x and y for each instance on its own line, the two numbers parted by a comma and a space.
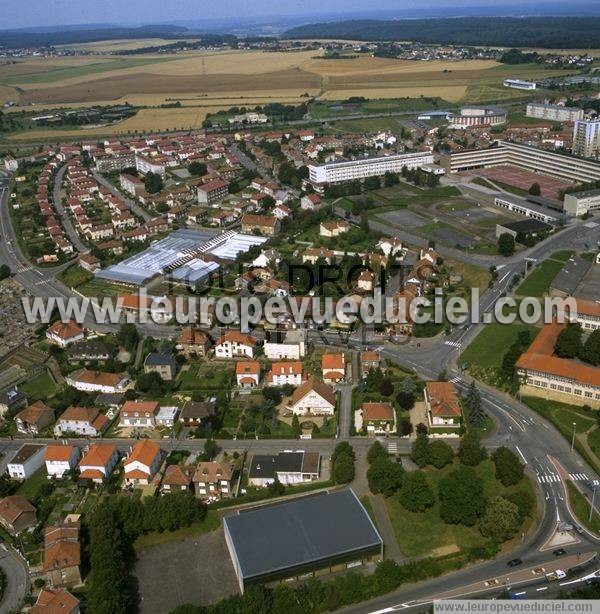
361, 168
478, 116
586, 138
553, 112
580, 203
286, 467
298, 539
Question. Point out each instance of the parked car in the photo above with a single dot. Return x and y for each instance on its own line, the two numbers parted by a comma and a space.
514, 562
559, 552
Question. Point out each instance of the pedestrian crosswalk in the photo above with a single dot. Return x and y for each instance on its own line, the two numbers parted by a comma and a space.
578, 476
548, 478
392, 447
454, 344
455, 380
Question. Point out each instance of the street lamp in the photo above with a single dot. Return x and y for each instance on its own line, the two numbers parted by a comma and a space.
593, 501
573, 438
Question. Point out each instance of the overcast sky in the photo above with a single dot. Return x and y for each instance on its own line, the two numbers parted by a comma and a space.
29, 13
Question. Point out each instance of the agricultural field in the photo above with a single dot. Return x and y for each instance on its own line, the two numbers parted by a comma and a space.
212, 80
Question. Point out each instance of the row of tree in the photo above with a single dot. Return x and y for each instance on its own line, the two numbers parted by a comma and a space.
570, 344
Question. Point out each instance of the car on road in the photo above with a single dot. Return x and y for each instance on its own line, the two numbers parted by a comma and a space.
514, 562
559, 552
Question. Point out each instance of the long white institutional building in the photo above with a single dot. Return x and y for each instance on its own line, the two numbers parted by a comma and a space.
351, 170
525, 157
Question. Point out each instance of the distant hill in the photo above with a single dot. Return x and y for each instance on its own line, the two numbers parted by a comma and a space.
545, 32
21, 38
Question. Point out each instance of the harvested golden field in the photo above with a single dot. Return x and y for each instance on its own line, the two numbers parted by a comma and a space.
451, 93
119, 44
8, 94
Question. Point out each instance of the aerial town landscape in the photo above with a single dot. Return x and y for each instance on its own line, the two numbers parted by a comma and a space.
299, 312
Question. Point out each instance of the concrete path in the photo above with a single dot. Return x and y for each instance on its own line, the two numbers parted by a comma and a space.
385, 528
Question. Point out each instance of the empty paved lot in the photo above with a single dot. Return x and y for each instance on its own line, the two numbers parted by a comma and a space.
196, 570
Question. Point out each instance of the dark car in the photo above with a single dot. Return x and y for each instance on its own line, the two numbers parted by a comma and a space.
514, 562
559, 552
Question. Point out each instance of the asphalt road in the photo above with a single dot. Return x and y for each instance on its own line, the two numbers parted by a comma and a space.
17, 579
139, 211
67, 224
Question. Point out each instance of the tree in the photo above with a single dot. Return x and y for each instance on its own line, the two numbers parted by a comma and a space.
386, 388
4, 271
475, 407
591, 348
150, 383
461, 497
406, 393
416, 494
153, 183
343, 448
296, 428
384, 476
372, 183
343, 469
535, 189
525, 502
568, 343
276, 488
470, 450
506, 244
439, 454
376, 451
197, 169
128, 336
500, 520
509, 469
420, 450
210, 449
405, 428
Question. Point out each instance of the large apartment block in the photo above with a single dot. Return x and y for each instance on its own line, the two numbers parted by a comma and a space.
554, 112
586, 138
525, 157
352, 170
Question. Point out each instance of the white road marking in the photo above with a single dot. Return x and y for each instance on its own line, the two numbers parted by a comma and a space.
521, 454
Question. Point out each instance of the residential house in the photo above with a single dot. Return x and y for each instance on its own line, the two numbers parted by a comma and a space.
310, 202
286, 467
313, 254
247, 373
290, 345
313, 397
334, 228
89, 263
34, 418
60, 459
28, 459
167, 416
17, 514
390, 246
234, 344
283, 373
193, 343
442, 405
143, 462
195, 413
265, 224
177, 478
85, 421
98, 462
89, 351
62, 555
162, 363
369, 360
130, 183
378, 418
333, 368
365, 281
55, 601
138, 414
62, 334
213, 480
98, 381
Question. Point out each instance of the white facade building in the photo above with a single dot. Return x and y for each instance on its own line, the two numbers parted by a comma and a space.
28, 459
60, 459
519, 84
553, 112
586, 138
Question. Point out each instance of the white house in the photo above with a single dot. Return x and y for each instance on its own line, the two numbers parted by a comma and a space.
143, 462
98, 462
390, 246
28, 459
234, 344
63, 334
247, 373
97, 381
291, 347
282, 373
60, 459
138, 414
85, 421
167, 416
313, 397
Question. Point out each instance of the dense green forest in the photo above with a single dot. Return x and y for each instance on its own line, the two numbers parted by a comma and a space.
546, 32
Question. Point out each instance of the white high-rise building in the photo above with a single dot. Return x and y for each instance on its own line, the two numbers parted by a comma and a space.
586, 138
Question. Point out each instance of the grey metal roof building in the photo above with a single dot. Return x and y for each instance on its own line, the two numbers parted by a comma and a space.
296, 538
569, 277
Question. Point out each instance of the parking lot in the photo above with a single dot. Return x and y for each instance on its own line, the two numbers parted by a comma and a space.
196, 570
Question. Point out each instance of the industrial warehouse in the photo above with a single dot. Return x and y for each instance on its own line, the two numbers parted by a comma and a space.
298, 539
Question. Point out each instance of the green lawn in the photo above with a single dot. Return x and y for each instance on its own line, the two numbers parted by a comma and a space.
205, 376
581, 509
593, 439
210, 523
40, 387
490, 345
75, 276
537, 283
30, 487
421, 533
